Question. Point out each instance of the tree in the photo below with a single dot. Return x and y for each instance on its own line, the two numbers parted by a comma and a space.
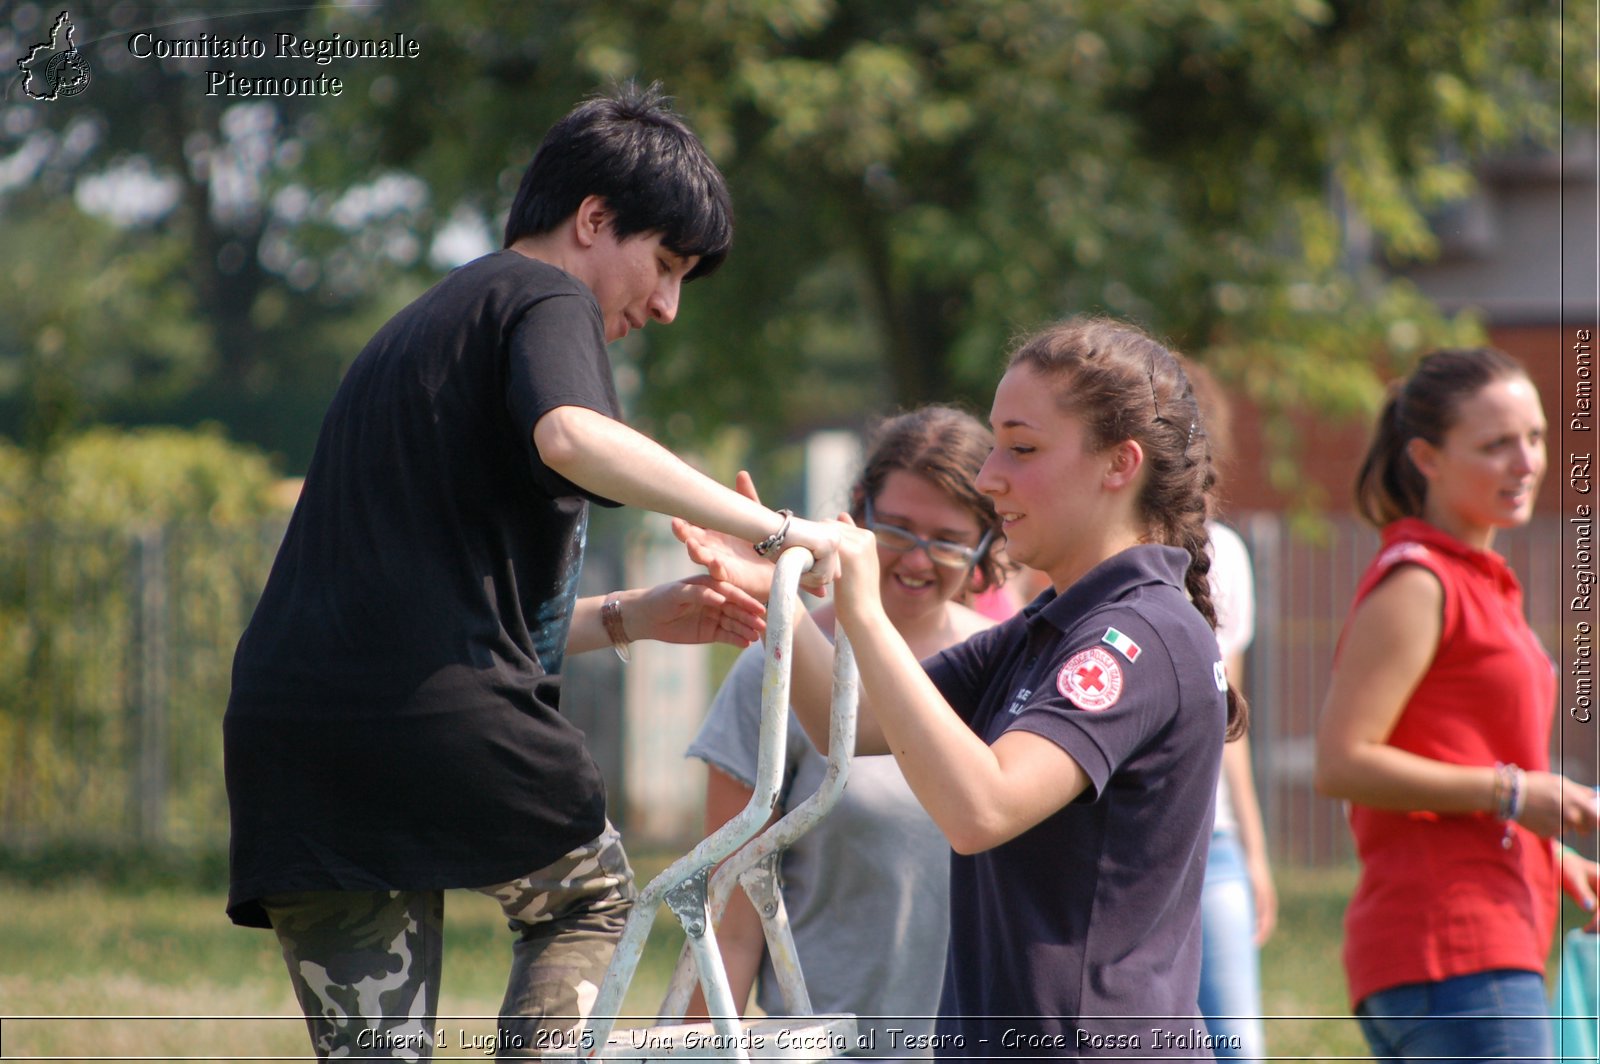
193, 185
916, 182
89, 318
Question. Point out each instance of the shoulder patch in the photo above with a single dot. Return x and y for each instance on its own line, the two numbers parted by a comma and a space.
1091, 679
1219, 673
1121, 644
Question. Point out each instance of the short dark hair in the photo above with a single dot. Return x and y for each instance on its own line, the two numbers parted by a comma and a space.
633, 150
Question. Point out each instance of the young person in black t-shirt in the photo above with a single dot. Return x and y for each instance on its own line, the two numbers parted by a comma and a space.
393, 728
1070, 754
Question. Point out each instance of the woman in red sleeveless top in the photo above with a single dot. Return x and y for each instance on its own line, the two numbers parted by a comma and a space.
1437, 727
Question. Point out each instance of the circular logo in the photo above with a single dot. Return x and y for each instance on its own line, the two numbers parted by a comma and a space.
1091, 679
67, 74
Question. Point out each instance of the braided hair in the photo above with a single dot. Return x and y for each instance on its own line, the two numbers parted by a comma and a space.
1127, 386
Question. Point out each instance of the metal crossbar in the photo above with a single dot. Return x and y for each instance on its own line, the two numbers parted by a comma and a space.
755, 867
698, 899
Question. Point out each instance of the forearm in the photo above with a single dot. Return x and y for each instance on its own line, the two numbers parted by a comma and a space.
957, 777
1242, 794
1385, 777
811, 691
587, 631
610, 459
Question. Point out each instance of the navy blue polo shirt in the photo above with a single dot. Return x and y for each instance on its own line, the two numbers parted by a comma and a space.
1081, 936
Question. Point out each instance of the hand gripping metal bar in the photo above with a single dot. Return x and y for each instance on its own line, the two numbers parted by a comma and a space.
683, 884
755, 867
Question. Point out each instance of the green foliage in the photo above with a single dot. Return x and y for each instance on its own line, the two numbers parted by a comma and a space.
916, 183
128, 563
90, 316
110, 480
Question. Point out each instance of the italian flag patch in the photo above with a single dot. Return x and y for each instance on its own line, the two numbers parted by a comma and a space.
1121, 644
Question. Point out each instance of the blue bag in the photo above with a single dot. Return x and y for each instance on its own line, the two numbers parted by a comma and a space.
1577, 1000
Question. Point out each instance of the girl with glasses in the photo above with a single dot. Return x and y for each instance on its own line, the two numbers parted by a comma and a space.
866, 890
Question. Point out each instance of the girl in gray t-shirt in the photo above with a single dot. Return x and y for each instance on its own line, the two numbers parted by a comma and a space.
867, 890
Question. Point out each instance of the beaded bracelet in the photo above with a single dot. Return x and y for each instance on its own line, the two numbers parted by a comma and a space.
1509, 797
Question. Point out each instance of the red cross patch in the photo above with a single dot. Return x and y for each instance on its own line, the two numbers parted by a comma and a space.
1091, 679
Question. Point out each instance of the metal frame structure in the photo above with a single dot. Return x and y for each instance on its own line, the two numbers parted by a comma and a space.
698, 898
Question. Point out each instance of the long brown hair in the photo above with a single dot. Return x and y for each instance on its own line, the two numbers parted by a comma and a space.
1127, 386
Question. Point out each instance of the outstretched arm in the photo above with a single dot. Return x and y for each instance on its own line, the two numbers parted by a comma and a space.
1388, 647
727, 557
608, 458
979, 795
697, 609
811, 665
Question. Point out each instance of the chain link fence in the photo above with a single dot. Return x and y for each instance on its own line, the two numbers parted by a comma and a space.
115, 654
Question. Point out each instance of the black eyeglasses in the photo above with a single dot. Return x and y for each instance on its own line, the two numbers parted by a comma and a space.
940, 551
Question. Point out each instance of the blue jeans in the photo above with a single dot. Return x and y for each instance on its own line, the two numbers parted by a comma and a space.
1497, 1015
1230, 972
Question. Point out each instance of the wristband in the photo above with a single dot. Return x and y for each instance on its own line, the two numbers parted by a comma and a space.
1510, 795
611, 617
774, 541
1506, 786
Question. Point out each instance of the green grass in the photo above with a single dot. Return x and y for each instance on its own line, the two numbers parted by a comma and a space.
89, 949
73, 955
1302, 980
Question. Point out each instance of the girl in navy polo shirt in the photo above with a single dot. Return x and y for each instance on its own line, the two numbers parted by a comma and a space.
1070, 754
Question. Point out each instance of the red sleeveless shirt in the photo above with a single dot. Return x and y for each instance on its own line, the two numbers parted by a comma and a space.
1439, 896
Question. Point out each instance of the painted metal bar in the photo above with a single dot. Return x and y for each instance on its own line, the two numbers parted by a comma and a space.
749, 861
781, 609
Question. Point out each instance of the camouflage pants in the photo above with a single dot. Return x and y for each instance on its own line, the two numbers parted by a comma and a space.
366, 965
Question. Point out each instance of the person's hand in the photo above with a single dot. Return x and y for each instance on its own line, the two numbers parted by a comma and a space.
725, 558
1580, 878
1551, 802
728, 558
1265, 893
697, 609
856, 593
736, 562
822, 540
